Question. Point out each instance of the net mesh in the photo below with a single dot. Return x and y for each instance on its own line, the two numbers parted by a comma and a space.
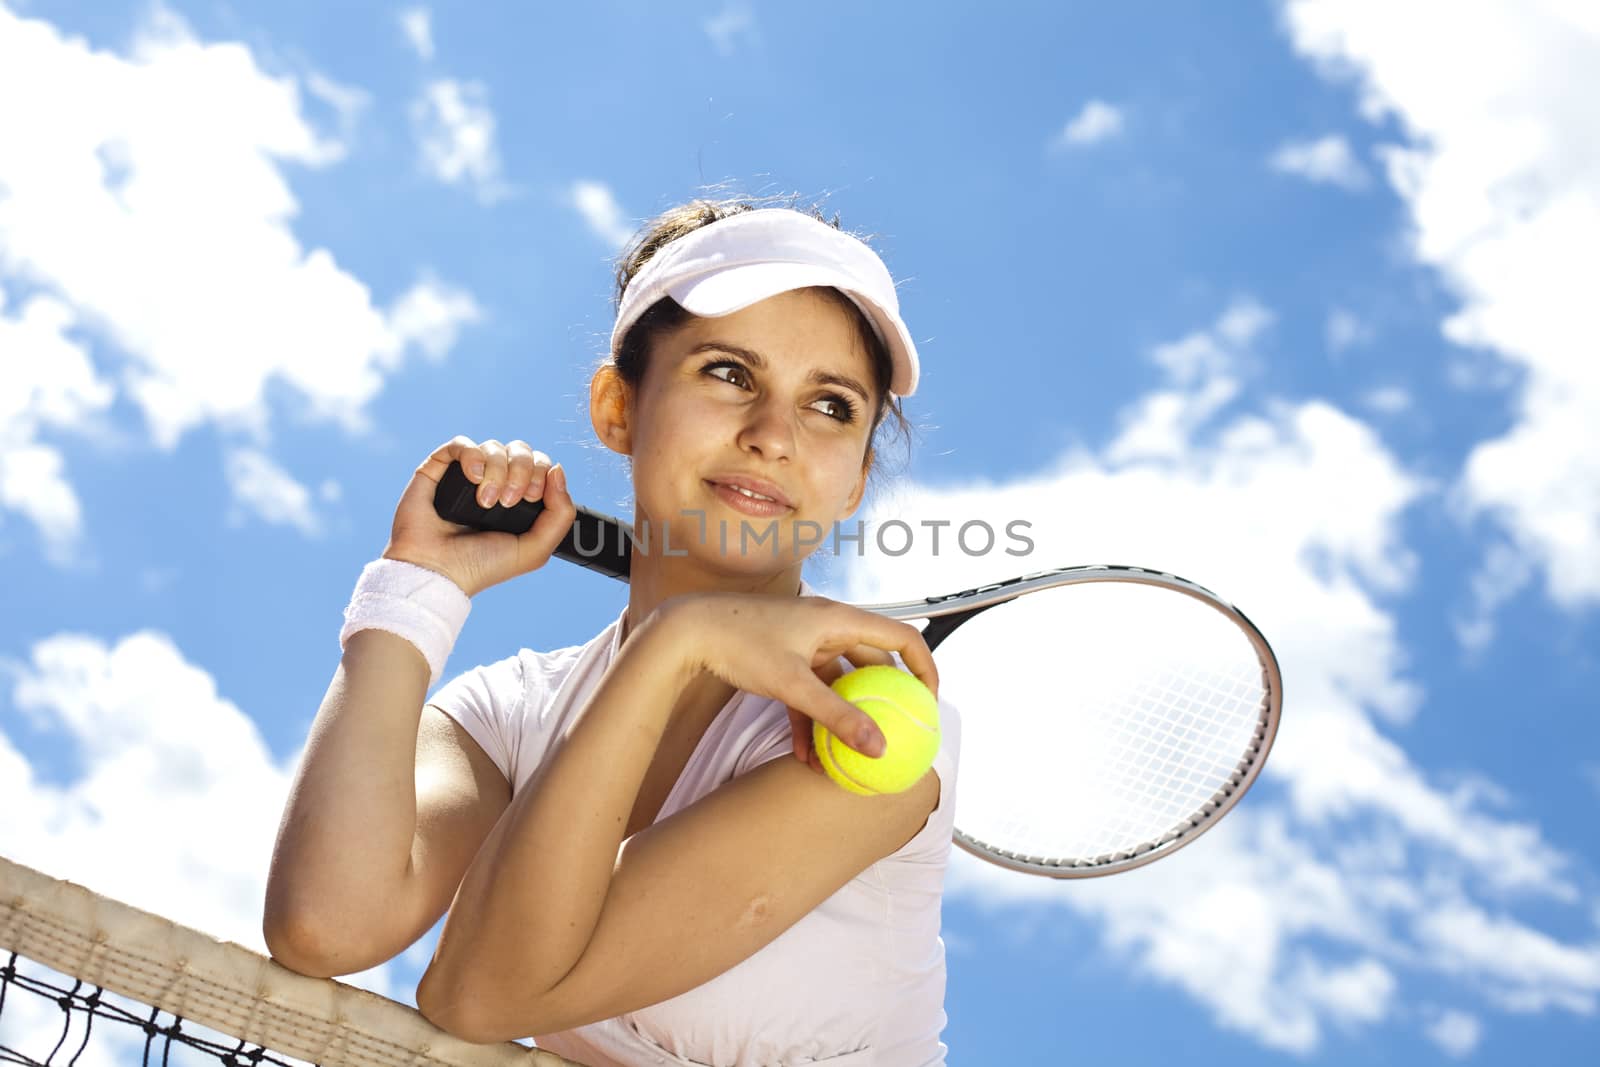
87, 980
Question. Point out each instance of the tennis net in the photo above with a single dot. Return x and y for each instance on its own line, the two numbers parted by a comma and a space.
171, 994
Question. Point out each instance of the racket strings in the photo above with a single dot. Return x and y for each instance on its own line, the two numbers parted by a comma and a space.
1154, 763
1174, 753
1156, 717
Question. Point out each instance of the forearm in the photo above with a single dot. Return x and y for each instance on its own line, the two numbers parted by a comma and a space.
533, 896
344, 844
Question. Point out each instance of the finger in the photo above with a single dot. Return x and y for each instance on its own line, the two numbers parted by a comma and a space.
907, 640
804, 739
830, 670
853, 626
857, 653
799, 732
459, 449
843, 719
541, 480
525, 473
494, 474
539, 542
867, 656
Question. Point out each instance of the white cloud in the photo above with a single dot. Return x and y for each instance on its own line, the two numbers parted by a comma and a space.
164, 796
1388, 400
1308, 908
1218, 352
1327, 160
152, 744
46, 381
1097, 121
429, 316
1502, 184
266, 490
147, 214
1456, 1033
728, 26
455, 131
599, 208
347, 101
1526, 970
1204, 368
417, 24
1345, 330
1505, 571
1360, 992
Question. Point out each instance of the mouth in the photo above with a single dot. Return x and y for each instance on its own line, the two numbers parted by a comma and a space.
751, 495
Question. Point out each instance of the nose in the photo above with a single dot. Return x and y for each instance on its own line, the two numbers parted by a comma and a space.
769, 430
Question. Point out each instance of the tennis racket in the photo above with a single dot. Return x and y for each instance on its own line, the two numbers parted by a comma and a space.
1115, 713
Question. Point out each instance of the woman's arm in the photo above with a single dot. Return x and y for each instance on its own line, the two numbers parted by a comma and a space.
559, 923
391, 799
388, 805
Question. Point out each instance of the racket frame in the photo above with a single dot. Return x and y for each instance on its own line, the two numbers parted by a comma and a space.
948, 612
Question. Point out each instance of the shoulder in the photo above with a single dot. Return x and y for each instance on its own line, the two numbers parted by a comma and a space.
757, 734
512, 707
522, 677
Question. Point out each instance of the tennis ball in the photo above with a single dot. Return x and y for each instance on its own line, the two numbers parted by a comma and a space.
908, 714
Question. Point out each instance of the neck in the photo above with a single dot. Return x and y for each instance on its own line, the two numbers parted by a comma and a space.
654, 579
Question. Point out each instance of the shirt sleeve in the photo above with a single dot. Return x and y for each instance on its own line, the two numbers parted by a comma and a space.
489, 702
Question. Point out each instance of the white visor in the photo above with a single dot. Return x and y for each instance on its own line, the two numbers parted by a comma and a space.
729, 264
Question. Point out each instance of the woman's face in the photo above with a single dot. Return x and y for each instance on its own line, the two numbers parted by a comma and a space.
780, 395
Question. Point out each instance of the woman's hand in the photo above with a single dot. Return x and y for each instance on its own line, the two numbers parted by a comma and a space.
788, 648
801, 736
504, 475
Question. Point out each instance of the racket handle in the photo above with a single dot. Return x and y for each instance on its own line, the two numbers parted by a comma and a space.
598, 542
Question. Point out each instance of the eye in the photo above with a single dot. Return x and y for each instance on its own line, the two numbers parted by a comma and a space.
740, 372
844, 408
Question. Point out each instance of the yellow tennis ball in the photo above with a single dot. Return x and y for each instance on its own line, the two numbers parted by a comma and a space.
908, 714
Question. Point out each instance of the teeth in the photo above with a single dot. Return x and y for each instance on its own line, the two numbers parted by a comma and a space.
752, 496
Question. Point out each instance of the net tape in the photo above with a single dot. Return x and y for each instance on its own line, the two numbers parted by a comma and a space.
110, 946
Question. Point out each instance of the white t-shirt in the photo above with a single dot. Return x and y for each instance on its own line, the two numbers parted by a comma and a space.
858, 980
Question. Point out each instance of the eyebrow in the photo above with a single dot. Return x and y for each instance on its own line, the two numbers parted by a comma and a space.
759, 362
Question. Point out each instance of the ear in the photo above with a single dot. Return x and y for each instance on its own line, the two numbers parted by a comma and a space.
611, 410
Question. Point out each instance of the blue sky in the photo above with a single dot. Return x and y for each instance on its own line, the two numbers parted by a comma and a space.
1295, 299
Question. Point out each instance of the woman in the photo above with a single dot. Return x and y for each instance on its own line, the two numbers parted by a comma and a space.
634, 870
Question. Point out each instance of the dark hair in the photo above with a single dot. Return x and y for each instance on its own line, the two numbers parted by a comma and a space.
633, 354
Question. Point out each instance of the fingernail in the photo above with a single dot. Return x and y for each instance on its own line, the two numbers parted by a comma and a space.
477, 470
559, 472
871, 742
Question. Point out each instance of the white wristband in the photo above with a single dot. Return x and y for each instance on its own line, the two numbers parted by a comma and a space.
420, 605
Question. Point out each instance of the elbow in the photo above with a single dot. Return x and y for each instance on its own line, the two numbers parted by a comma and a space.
297, 946
466, 1026
307, 945
457, 1012
293, 936
476, 1015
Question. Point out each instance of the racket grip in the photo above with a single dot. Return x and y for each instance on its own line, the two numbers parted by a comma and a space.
598, 542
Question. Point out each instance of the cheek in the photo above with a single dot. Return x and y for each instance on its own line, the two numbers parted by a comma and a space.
839, 476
